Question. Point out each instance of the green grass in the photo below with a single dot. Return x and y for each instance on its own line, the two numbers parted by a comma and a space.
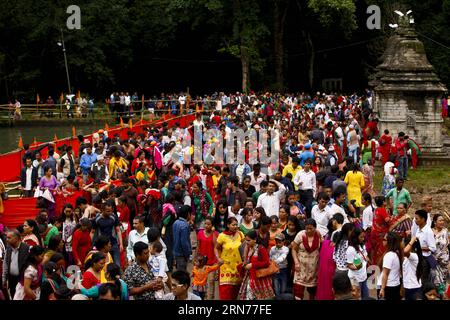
420, 178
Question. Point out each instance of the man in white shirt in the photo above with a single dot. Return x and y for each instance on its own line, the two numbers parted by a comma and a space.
270, 200
321, 213
256, 176
182, 100
138, 234
28, 179
127, 99
305, 180
339, 135
367, 218
38, 163
339, 199
427, 205
427, 241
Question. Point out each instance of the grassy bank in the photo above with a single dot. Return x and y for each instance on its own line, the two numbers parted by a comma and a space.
420, 179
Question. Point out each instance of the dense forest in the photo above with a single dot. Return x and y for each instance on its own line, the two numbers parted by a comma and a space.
154, 46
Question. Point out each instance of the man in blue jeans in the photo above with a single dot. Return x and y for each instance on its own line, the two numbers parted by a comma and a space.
279, 253
181, 238
108, 224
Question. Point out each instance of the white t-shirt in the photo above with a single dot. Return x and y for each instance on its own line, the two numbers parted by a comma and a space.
367, 217
359, 275
338, 209
426, 238
321, 217
391, 262
409, 272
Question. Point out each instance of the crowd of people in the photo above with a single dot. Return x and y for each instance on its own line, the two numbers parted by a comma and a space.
148, 226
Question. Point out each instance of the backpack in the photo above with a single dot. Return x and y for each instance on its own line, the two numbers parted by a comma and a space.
328, 160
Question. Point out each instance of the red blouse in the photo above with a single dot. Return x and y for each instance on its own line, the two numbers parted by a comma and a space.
81, 244
260, 261
124, 213
89, 280
379, 221
206, 246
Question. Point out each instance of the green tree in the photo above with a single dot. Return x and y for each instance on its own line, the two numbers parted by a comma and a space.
329, 17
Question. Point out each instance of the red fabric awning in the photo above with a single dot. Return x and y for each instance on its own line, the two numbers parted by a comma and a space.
10, 165
17, 211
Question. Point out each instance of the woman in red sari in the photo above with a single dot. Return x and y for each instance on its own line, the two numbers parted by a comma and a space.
385, 146
92, 276
256, 257
380, 227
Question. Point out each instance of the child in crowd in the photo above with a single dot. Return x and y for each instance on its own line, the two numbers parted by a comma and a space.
429, 291
279, 254
295, 207
200, 274
159, 266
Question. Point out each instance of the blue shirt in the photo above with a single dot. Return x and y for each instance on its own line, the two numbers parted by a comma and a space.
181, 239
86, 161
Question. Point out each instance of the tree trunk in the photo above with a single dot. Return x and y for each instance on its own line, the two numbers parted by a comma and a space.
245, 63
278, 35
278, 45
311, 60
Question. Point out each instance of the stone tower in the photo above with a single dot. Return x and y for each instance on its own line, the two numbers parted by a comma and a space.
407, 91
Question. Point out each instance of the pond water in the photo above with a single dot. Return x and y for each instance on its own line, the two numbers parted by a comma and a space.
9, 136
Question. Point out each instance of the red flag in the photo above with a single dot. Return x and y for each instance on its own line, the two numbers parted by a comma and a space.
20, 143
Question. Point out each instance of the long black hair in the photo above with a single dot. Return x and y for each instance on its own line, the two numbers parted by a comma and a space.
298, 225
33, 253
96, 257
368, 198
217, 220
114, 273
33, 224
52, 272
418, 250
393, 245
343, 235
354, 239
62, 217
54, 242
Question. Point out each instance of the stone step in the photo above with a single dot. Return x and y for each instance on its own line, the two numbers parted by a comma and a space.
441, 159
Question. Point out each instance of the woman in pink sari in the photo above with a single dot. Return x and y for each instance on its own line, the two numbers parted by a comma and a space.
327, 267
